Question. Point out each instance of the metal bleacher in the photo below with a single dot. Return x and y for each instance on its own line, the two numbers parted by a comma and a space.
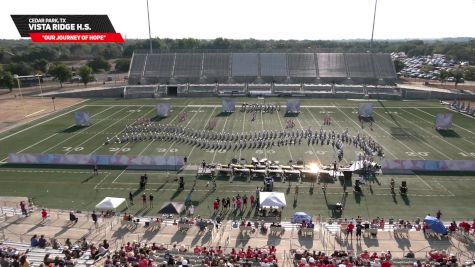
360, 66
302, 65
273, 65
332, 66
188, 65
285, 68
245, 65
216, 66
384, 67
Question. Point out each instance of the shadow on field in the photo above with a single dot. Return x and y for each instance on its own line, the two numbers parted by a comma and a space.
224, 114
73, 129
157, 118
448, 133
291, 115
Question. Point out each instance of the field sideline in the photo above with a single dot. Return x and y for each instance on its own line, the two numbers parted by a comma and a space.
404, 128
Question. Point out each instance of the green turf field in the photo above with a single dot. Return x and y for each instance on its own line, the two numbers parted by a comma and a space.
404, 128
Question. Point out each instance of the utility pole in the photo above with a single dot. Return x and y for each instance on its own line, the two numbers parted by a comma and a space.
372, 32
149, 32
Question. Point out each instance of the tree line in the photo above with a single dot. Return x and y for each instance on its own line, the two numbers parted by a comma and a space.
22, 57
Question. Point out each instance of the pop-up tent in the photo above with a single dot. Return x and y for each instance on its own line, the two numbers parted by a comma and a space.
172, 208
299, 217
110, 203
436, 225
272, 199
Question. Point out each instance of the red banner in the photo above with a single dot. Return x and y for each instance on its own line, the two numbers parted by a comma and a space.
76, 37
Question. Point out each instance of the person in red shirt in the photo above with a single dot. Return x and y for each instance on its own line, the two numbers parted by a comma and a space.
350, 228
385, 263
44, 215
215, 205
197, 250
253, 199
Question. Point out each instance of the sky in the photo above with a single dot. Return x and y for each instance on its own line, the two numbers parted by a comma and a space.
264, 19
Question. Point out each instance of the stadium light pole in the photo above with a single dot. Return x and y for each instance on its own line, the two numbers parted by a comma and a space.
372, 31
149, 32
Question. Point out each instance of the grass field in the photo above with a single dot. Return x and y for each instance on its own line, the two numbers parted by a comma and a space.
405, 129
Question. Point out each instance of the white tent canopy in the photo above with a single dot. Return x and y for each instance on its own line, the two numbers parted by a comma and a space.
272, 199
110, 203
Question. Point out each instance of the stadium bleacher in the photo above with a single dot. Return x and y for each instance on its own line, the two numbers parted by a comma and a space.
216, 67
188, 67
284, 68
332, 67
273, 66
383, 66
360, 66
245, 66
302, 65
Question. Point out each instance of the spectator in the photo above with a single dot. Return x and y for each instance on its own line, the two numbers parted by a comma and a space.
131, 198
44, 215
150, 198
42, 242
24, 211
94, 217
73, 218
34, 241
144, 200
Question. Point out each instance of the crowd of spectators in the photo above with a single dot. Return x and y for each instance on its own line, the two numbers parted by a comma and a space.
145, 255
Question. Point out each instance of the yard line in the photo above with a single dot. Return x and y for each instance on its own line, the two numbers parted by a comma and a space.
422, 139
103, 179
454, 146
64, 140
196, 113
424, 182
44, 139
151, 142
204, 127
452, 123
262, 125
119, 175
40, 123
443, 187
336, 121
130, 113
282, 126
31, 114
311, 146
466, 115
243, 120
224, 127
126, 143
367, 133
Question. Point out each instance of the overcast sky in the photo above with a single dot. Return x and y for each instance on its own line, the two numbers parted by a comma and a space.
264, 19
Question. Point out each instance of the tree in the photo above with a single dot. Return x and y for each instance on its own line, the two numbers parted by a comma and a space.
20, 68
399, 65
6, 79
85, 73
61, 72
469, 74
443, 75
458, 75
122, 65
98, 64
41, 65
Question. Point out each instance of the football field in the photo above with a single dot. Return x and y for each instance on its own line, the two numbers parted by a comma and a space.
405, 129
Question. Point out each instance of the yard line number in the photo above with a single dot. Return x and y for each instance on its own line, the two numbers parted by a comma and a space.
471, 154
163, 150
318, 152
417, 154
70, 148
118, 149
